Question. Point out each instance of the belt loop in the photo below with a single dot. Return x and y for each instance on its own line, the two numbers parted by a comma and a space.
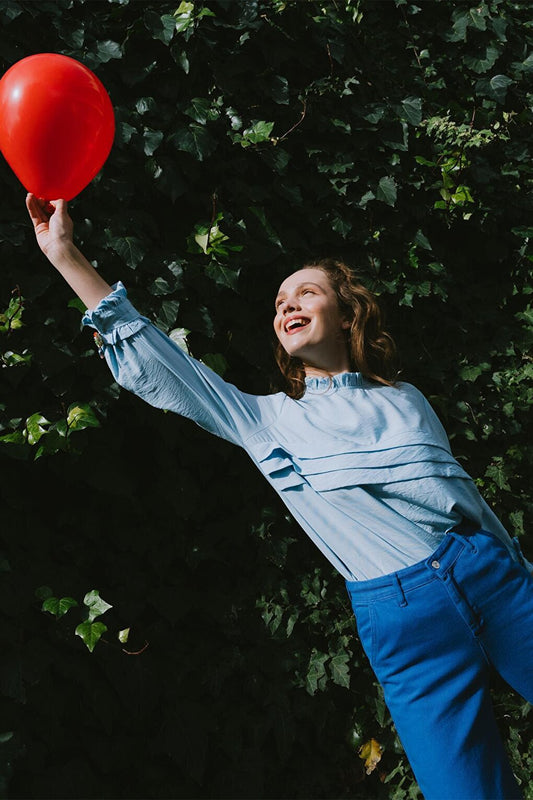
403, 599
463, 532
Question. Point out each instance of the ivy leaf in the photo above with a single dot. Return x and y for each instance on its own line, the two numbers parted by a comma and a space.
12, 359
36, 427
201, 110
497, 472
481, 65
370, 752
478, 18
167, 314
96, 605
223, 276
123, 635
412, 110
90, 633
316, 672
129, 248
194, 140
499, 85
278, 88
216, 362
366, 198
152, 140
181, 59
460, 25
272, 236
259, 132
386, 191
339, 670
11, 319
145, 104
125, 131
78, 304
58, 606
107, 50
161, 27
470, 372
81, 416
179, 336
184, 17
43, 592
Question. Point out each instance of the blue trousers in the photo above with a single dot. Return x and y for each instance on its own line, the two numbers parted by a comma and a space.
433, 633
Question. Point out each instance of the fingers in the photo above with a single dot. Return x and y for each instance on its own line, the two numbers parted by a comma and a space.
41, 210
35, 209
59, 206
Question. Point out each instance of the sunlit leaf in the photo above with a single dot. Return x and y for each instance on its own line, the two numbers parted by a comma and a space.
81, 416
179, 336
123, 635
36, 427
96, 605
370, 752
259, 132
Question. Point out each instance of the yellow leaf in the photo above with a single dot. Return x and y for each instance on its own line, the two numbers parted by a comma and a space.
370, 752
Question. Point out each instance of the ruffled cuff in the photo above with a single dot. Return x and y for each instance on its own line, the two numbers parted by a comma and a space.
114, 318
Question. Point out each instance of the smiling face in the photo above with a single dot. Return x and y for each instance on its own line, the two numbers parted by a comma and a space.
309, 323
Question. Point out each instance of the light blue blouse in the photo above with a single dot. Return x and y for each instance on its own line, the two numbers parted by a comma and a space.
365, 469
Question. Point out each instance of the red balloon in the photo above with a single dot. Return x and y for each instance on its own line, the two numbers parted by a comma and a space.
56, 124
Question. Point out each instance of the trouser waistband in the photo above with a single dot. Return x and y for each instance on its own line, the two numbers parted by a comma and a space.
441, 561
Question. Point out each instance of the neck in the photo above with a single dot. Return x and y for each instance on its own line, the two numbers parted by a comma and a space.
313, 371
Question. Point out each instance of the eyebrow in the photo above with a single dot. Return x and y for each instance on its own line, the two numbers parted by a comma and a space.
299, 286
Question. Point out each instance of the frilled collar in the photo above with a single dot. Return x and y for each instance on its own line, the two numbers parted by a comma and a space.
335, 381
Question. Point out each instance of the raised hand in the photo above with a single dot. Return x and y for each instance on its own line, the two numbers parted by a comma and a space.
52, 224
53, 230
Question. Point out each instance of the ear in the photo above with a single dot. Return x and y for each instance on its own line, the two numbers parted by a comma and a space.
346, 324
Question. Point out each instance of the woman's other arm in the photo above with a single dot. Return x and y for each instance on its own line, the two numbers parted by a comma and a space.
53, 232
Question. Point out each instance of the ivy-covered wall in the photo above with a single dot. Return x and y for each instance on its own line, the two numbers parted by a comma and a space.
251, 135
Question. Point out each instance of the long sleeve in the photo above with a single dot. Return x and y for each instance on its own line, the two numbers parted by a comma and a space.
147, 362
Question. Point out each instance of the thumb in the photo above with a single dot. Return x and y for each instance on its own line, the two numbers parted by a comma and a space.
59, 206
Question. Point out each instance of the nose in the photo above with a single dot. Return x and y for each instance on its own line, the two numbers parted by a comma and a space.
290, 305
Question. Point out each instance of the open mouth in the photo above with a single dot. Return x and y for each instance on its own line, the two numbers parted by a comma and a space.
296, 324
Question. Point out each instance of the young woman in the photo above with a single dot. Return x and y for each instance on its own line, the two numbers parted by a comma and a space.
440, 592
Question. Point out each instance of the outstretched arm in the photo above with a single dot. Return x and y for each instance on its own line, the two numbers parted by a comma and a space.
141, 357
53, 230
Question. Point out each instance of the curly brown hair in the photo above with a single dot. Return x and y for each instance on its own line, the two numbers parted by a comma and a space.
372, 350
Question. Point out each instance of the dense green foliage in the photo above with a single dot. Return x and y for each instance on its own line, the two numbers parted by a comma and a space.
251, 135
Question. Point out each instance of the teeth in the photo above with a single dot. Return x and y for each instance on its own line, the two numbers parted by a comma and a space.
296, 323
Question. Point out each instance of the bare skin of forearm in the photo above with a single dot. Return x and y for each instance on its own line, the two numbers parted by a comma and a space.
81, 276
54, 231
